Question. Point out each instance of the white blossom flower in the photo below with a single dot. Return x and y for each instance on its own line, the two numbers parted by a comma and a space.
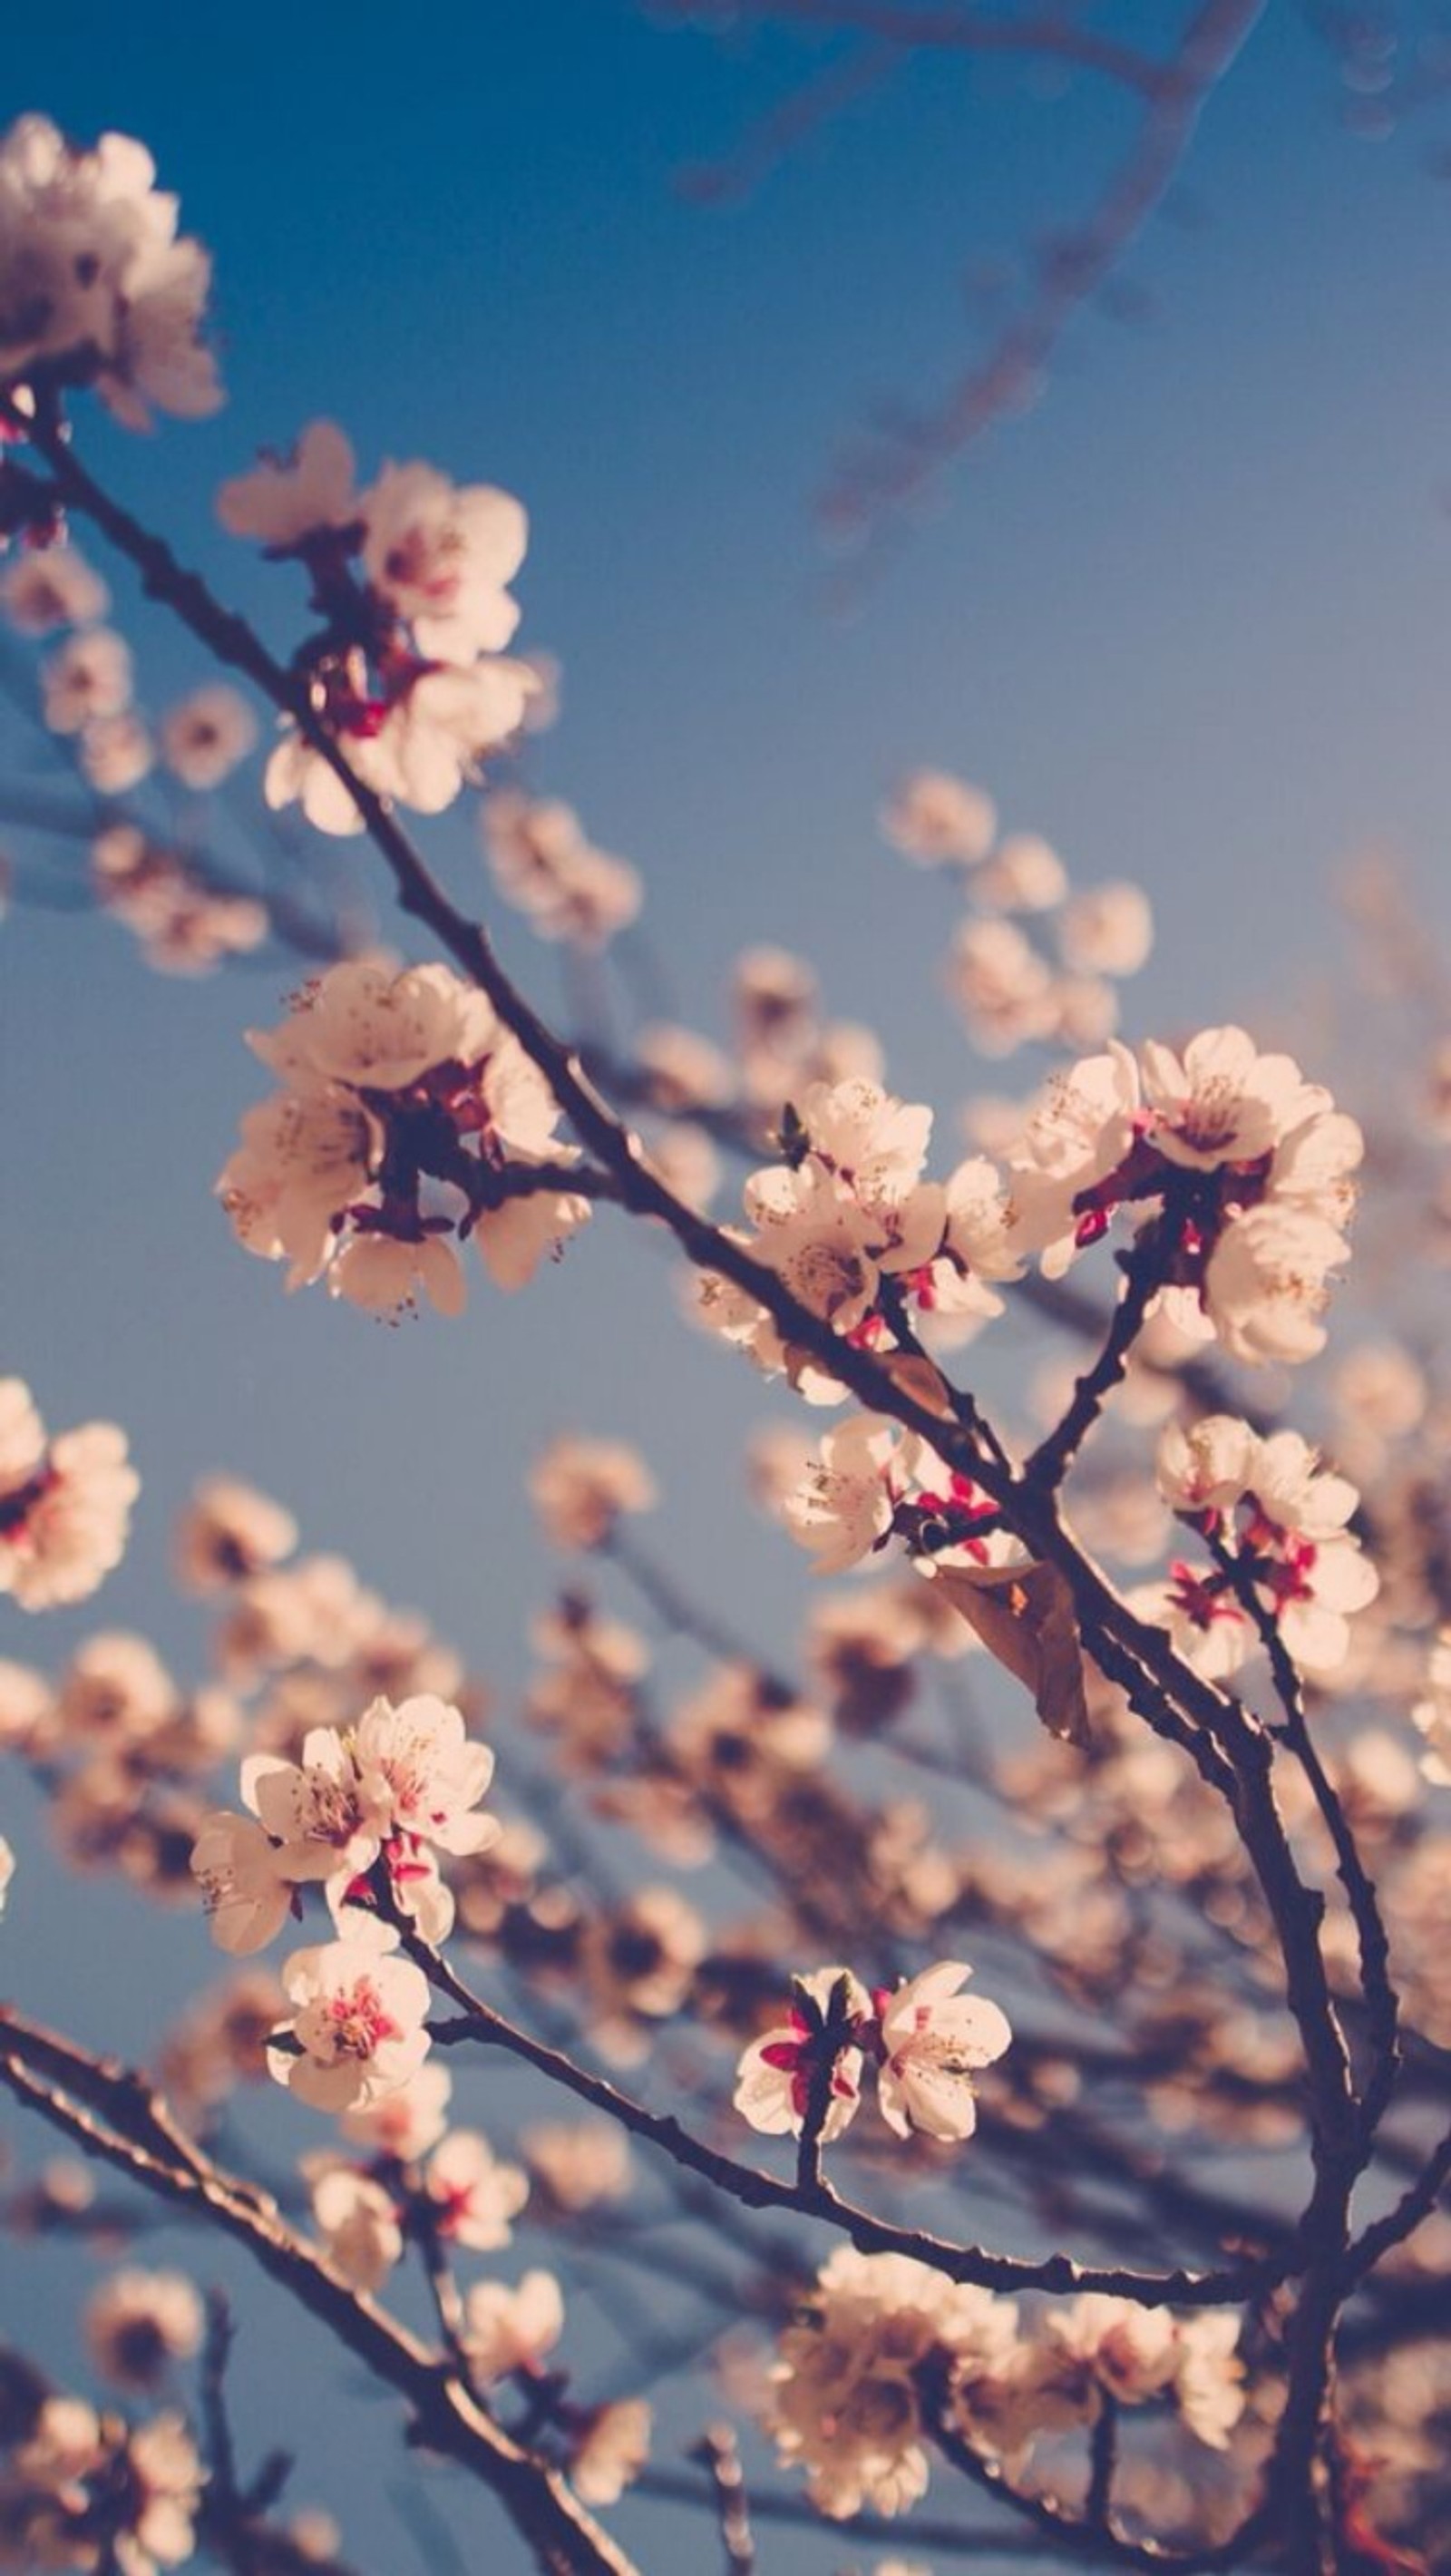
1001, 985
775, 2074
846, 1500
116, 753
377, 1028
383, 1274
205, 736
326, 1818
442, 557
356, 2032
611, 2451
541, 861
94, 282
87, 679
357, 2220
7, 1870
1224, 1102
1205, 1466
512, 2330
474, 2196
846, 2403
576, 2164
1079, 1132
407, 2123
44, 587
580, 1488
227, 1532
934, 2040
286, 499
421, 753
419, 1765
935, 818
65, 1507
1106, 930
246, 1894
1024, 874
514, 1239
138, 2323
1266, 1284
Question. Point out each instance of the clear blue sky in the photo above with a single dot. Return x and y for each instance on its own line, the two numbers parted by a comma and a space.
1190, 618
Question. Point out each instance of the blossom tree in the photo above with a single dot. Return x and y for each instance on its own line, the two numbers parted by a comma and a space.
1071, 1911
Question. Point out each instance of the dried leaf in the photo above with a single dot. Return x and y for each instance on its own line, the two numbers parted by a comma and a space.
1024, 1616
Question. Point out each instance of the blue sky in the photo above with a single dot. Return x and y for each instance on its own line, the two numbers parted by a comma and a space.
1189, 618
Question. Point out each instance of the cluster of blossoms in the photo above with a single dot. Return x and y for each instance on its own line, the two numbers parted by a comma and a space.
65, 1503
407, 674
928, 2041
412, 2177
849, 1225
1248, 1165
541, 861
47, 587
1012, 990
388, 1795
887, 2352
1282, 1519
96, 286
408, 1116
81, 2489
184, 926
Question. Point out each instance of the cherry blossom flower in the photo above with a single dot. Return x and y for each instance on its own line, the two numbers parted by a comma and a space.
427, 744
847, 1499
1266, 1285
1001, 985
286, 499
577, 2164
933, 2041
356, 2032
357, 2220
776, 2074
384, 1275
115, 753
420, 1767
474, 2196
512, 2330
1139, 2354
88, 678
936, 818
246, 1895
1024, 874
95, 285
610, 2452
7, 1870
580, 1488
407, 2123
324, 1817
441, 556
65, 1504
227, 1532
1205, 1465
541, 860
138, 2323
1224, 1102
206, 735
846, 2402
184, 926
50, 586
1107, 930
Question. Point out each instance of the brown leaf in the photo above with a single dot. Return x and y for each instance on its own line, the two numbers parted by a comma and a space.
1024, 1615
